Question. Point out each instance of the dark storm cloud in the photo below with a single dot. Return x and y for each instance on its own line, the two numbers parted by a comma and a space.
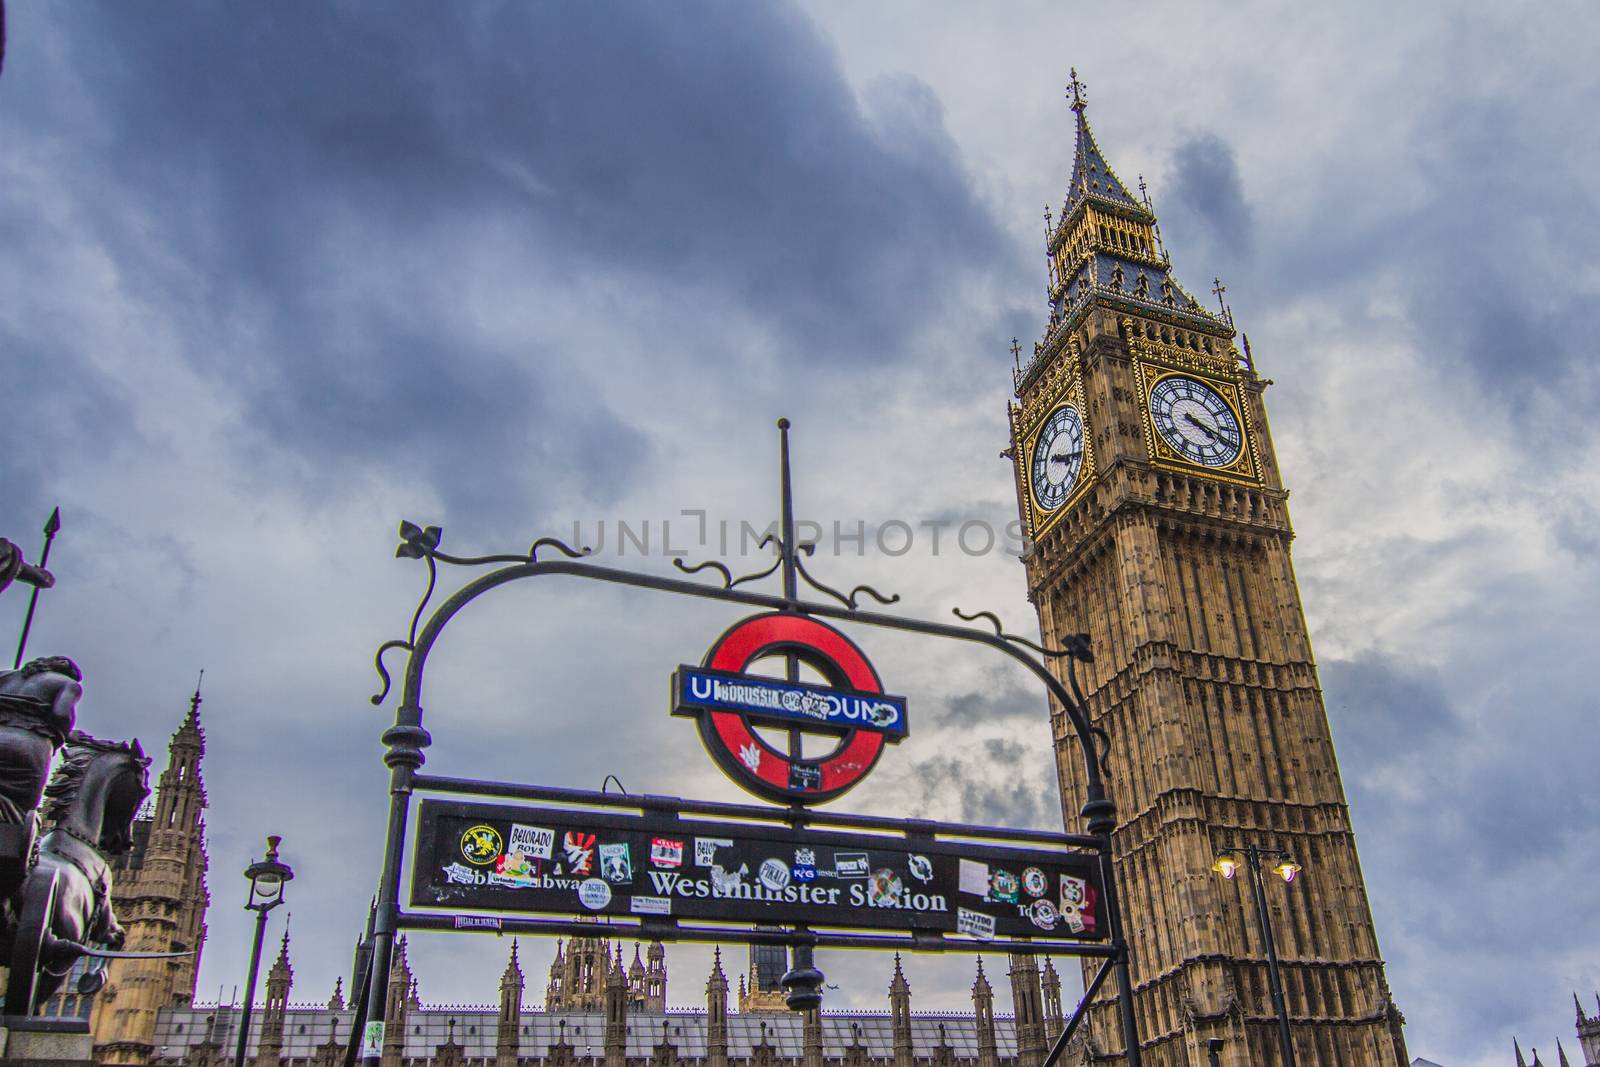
53, 411
996, 781
1383, 710
321, 175
1489, 258
1460, 832
1478, 227
1206, 194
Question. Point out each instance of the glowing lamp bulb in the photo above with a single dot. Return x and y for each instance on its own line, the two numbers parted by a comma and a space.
1227, 865
1287, 869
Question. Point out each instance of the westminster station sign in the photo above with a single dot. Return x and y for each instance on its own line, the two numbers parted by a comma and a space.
494, 858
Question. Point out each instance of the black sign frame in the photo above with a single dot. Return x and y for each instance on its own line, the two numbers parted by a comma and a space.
407, 739
608, 818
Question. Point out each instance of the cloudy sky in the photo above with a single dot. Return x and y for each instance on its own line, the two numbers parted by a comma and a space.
278, 277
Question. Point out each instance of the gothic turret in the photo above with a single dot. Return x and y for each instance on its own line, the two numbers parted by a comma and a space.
159, 893
717, 1014
402, 988
1050, 986
811, 1038
279, 979
361, 962
1589, 1032
655, 979
900, 1015
509, 1026
552, 989
616, 1009
578, 976
983, 1012
1028, 1003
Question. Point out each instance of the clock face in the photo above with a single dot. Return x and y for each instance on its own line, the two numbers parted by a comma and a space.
1057, 458
1196, 421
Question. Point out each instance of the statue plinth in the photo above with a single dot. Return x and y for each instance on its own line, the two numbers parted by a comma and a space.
31, 1041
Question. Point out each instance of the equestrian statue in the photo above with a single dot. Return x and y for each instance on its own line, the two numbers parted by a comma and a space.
58, 831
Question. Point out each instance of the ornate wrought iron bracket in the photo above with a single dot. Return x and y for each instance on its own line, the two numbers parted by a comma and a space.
407, 738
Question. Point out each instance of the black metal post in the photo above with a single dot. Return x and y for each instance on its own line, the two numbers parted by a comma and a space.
405, 741
1274, 979
1100, 814
250, 987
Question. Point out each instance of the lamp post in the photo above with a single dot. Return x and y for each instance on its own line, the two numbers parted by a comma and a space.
267, 879
1229, 860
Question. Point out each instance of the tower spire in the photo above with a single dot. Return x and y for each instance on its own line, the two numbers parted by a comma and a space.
1106, 259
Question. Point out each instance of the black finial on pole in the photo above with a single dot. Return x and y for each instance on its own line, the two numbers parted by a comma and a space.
786, 545
52, 526
1077, 87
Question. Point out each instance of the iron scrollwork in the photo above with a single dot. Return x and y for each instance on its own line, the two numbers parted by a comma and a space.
407, 739
419, 542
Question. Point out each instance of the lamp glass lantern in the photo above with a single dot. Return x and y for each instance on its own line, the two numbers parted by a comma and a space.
1228, 864
267, 879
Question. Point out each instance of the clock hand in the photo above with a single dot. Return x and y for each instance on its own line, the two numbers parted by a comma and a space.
1067, 458
1202, 427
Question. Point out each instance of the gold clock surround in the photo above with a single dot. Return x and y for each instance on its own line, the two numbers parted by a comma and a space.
1040, 518
1148, 373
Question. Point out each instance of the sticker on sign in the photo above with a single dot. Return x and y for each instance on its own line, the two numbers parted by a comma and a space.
705, 849
594, 893
534, 842
976, 923
650, 905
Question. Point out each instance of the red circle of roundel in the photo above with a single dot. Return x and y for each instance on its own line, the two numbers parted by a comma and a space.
749, 760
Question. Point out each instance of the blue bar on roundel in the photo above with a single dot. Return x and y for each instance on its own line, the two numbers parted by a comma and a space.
773, 700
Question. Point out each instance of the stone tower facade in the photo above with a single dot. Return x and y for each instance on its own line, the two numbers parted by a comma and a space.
1050, 986
717, 1014
983, 1019
510, 1021
1027, 998
581, 972
160, 896
398, 1005
279, 979
900, 1013
578, 975
1158, 526
616, 1013
1588, 1032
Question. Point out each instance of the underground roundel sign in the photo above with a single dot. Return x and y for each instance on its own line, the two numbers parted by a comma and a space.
729, 704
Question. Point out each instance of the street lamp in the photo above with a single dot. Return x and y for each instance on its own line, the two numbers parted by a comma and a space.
267, 879
1229, 860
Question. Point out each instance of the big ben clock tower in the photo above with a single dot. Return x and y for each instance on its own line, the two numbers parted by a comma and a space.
1158, 525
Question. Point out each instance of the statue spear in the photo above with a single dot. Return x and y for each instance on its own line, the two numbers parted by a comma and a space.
51, 527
